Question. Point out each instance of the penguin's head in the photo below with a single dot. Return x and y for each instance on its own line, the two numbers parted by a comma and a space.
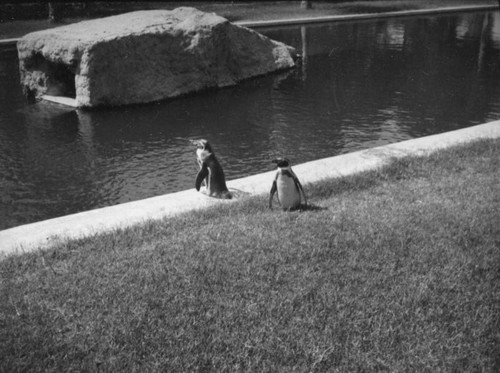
282, 162
202, 144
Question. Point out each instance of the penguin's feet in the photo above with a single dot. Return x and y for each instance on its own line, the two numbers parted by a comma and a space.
221, 195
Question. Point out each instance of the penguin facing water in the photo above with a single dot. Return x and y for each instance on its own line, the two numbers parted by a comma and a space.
210, 171
287, 185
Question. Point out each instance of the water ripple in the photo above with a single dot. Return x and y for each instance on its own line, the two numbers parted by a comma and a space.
358, 85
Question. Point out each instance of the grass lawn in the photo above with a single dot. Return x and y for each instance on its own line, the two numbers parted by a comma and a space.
234, 11
392, 270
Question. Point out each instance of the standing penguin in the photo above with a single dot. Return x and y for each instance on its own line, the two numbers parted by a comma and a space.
287, 185
211, 170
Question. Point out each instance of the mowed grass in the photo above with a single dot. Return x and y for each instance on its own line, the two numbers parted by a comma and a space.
392, 270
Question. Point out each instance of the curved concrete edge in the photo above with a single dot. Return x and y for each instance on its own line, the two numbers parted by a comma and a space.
344, 17
42, 234
373, 158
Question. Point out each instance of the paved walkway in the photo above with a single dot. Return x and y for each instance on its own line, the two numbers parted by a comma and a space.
41, 234
344, 17
350, 17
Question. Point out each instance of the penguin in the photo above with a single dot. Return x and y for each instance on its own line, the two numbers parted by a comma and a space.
210, 171
287, 185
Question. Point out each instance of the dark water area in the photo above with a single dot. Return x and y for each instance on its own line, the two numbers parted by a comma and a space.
359, 85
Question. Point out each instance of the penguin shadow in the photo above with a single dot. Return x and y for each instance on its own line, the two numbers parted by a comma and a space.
312, 208
304, 208
238, 194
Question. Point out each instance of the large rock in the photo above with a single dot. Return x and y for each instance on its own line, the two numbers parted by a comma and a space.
145, 56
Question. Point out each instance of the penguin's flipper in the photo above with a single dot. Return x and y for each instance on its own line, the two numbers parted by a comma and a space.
274, 188
202, 174
298, 185
303, 193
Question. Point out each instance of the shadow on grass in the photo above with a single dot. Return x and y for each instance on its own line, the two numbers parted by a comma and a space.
312, 207
301, 208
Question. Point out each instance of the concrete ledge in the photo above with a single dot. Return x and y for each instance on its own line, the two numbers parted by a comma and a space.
12, 41
68, 101
39, 235
354, 17
345, 17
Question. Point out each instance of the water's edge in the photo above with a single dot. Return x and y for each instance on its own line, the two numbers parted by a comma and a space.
344, 17
42, 234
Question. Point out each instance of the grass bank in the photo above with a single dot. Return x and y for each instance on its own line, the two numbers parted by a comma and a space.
16, 24
392, 270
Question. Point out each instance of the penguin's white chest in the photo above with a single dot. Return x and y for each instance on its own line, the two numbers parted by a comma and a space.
201, 154
288, 194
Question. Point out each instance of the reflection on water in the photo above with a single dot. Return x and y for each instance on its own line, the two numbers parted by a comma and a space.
358, 85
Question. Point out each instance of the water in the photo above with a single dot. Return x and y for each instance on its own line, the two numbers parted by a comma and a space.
360, 85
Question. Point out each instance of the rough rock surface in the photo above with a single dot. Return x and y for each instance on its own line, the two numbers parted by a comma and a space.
145, 56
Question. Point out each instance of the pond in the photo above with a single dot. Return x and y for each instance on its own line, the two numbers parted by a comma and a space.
359, 85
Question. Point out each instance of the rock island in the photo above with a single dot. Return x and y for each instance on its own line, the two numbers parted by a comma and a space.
144, 56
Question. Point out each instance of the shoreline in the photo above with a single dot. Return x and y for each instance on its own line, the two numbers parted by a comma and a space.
43, 234
362, 16
337, 18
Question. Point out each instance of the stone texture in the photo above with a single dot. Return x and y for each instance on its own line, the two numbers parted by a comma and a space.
145, 56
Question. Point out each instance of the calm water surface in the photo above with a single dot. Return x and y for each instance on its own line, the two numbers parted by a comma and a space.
359, 85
